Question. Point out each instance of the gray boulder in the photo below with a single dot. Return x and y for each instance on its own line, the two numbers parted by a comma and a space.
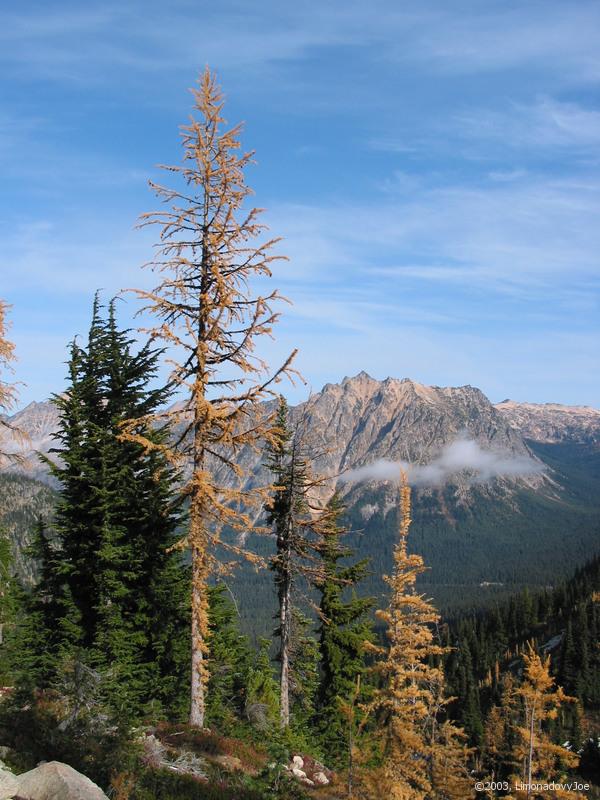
56, 781
8, 784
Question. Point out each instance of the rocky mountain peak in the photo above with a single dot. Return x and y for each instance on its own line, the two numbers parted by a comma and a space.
38, 421
362, 420
553, 422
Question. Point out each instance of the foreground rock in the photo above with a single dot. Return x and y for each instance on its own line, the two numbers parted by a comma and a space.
56, 781
309, 771
8, 784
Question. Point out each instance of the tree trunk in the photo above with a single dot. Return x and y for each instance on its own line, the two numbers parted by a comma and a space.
198, 541
530, 758
197, 705
285, 613
285, 549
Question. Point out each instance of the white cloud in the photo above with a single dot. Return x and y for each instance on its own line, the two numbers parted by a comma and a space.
562, 38
462, 455
72, 256
546, 123
75, 44
518, 236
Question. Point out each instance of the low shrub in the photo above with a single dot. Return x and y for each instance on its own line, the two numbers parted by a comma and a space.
91, 744
163, 784
205, 742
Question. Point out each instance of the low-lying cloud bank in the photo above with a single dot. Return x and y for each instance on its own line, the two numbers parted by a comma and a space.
458, 456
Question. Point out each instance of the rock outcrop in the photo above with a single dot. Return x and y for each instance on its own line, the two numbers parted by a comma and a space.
308, 771
553, 423
56, 781
8, 785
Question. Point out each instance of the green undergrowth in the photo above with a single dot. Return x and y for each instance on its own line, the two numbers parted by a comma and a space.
163, 784
246, 768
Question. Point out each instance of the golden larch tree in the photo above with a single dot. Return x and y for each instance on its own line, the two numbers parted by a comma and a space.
419, 755
538, 700
211, 248
8, 392
496, 731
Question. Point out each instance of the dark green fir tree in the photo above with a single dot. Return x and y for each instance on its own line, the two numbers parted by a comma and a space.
8, 609
304, 672
344, 628
230, 660
122, 592
289, 516
49, 628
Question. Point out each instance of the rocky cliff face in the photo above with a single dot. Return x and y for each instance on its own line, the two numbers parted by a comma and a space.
358, 422
362, 420
38, 421
489, 511
552, 423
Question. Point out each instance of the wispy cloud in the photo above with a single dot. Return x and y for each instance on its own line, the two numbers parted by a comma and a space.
493, 36
71, 258
73, 43
461, 456
547, 123
459, 243
516, 236
70, 42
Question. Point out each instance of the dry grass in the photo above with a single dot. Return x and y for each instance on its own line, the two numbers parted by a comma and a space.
211, 745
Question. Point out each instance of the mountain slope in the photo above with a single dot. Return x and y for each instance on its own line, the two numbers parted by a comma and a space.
553, 423
22, 501
513, 499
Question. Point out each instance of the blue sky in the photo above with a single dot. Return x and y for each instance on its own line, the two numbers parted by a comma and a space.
434, 169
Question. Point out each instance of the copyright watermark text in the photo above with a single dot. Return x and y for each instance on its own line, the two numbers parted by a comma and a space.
539, 786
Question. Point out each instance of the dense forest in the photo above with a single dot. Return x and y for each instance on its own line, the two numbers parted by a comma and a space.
123, 654
487, 650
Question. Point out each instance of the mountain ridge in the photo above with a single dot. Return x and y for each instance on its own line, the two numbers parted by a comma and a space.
482, 535
553, 422
362, 419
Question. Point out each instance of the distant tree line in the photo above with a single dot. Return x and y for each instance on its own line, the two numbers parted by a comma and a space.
487, 656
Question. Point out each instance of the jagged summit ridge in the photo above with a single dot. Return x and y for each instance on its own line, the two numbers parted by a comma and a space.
361, 420
553, 422
469, 527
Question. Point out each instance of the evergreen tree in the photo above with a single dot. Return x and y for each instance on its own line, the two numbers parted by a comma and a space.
77, 519
206, 309
262, 691
8, 608
582, 652
470, 711
408, 701
304, 671
49, 631
343, 631
568, 664
144, 585
230, 659
289, 515
111, 576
